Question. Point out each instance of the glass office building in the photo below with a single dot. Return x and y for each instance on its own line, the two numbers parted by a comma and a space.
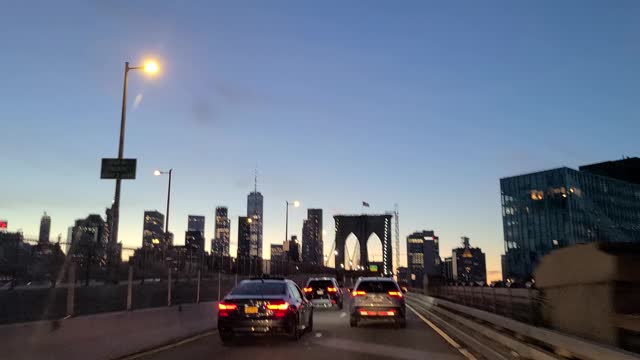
562, 207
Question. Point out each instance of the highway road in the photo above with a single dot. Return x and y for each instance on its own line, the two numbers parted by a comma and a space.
331, 339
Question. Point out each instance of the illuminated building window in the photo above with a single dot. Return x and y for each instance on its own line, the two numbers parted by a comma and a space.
537, 195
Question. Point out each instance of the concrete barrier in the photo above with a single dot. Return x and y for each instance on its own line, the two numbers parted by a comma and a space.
565, 343
105, 336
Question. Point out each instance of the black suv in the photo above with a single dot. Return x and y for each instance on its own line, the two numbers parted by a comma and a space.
324, 292
261, 306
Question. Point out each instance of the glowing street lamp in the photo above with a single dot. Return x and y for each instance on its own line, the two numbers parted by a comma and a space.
296, 204
151, 67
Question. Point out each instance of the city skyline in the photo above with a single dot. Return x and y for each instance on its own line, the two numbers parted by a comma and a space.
452, 97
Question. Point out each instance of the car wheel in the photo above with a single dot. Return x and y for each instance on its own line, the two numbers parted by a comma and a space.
401, 323
340, 305
227, 338
310, 326
294, 332
353, 321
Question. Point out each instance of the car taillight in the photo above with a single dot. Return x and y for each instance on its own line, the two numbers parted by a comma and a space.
226, 306
359, 293
395, 293
278, 306
307, 289
331, 289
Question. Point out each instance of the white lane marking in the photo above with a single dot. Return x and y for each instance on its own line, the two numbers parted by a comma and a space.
169, 346
444, 335
318, 334
343, 314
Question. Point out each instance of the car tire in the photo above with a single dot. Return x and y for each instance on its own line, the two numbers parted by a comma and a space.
340, 305
227, 338
310, 325
294, 332
401, 323
353, 321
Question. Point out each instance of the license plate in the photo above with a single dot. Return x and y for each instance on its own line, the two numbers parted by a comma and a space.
320, 292
251, 310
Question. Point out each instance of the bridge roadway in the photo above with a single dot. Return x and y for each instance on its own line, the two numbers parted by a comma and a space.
332, 339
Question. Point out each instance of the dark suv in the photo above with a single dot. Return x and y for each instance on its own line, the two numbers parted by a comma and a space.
324, 292
261, 306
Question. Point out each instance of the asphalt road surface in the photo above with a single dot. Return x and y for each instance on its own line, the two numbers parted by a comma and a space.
331, 339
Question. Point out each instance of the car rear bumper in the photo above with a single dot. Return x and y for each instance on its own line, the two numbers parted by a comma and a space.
323, 303
254, 326
378, 312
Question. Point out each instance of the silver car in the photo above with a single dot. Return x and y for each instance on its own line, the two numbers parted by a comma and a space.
377, 298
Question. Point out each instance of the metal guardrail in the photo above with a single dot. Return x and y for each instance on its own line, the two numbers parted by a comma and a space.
581, 348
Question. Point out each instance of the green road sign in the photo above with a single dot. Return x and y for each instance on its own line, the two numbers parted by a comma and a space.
118, 168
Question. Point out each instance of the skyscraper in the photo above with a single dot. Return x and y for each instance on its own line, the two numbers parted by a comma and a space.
196, 223
292, 249
468, 264
89, 240
423, 256
220, 243
277, 252
244, 237
153, 230
254, 211
194, 241
312, 244
45, 228
560, 207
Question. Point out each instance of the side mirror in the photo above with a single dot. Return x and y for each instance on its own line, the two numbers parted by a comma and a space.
404, 290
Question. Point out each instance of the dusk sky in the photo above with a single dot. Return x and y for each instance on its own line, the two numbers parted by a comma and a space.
418, 103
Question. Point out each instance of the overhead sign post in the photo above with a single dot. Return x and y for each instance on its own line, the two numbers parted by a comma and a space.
124, 169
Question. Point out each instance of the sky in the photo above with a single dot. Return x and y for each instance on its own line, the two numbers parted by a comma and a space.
421, 104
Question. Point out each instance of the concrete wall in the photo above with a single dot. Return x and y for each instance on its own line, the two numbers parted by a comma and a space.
105, 336
589, 286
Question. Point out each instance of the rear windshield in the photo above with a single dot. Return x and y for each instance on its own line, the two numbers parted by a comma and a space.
259, 288
377, 286
320, 284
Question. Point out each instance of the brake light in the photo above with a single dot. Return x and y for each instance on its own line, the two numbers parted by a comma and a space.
307, 289
359, 293
281, 306
223, 306
331, 289
387, 313
395, 293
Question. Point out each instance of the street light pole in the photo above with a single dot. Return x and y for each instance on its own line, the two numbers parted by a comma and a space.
116, 198
166, 224
286, 224
149, 67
